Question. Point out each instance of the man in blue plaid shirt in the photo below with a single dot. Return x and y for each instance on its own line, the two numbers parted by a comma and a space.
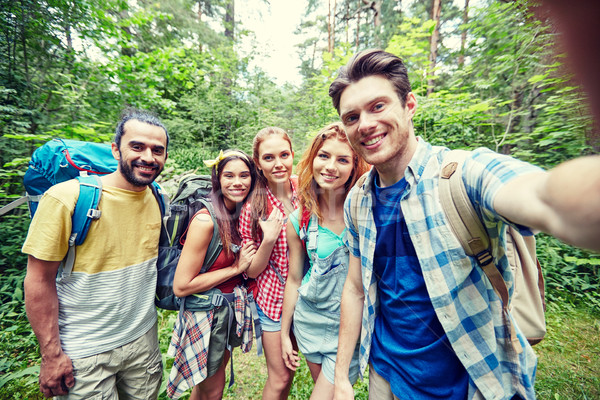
429, 322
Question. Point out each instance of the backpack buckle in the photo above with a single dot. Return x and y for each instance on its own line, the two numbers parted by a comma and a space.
217, 301
93, 213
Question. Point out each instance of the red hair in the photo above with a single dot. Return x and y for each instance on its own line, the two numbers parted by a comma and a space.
307, 193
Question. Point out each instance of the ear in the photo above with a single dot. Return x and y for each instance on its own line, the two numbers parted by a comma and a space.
115, 151
411, 104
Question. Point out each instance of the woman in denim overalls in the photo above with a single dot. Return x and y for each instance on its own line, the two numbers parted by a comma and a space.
315, 235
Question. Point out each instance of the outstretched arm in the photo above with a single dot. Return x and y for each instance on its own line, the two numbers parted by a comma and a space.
290, 296
350, 323
41, 304
563, 202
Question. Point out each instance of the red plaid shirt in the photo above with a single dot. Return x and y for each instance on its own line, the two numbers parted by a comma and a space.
270, 288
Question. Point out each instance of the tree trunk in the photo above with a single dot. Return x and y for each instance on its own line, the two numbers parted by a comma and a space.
200, 23
358, 27
126, 51
463, 35
376, 7
433, 44
24, 41
230, 20
331, 27
347, 22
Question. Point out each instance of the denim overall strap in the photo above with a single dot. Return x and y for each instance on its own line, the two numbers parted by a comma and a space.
312, 238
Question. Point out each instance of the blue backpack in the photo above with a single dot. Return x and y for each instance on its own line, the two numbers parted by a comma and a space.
60, 160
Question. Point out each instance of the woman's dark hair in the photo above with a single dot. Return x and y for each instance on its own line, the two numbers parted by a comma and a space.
228, 220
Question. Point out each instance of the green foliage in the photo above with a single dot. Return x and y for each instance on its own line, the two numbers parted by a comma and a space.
572, 275
18, 349
12, 236
411, 43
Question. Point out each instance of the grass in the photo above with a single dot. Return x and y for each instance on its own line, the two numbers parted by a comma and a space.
569, 356
568, 368
568, 362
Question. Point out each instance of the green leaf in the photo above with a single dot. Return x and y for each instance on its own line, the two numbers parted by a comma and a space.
19, 374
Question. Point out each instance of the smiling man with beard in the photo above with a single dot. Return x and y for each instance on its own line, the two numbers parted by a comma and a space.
97, 327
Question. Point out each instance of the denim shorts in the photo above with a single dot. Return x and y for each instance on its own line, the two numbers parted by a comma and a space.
267, 324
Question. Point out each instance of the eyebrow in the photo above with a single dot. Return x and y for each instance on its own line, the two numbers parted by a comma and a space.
135, 142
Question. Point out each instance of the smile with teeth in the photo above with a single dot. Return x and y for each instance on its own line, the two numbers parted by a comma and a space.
328, 177
237, 191
145, 169
373, 140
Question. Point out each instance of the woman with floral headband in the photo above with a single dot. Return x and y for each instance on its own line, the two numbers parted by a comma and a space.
202, 340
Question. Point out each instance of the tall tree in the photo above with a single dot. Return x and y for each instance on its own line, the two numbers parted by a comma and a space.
229, 20
436, 9
463, 35
331, 26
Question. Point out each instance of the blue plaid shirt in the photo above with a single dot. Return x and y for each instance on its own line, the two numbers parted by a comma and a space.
466, 305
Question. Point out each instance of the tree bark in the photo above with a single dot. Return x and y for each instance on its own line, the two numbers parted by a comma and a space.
463, 35
24, 42
126, 51
331, 27
230, 20
374, 5
433, 44
358, 26
199, 22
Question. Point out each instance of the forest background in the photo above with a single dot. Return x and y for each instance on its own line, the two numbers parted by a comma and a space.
489, 73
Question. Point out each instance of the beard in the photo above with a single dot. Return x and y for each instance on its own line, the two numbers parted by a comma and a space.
129, 174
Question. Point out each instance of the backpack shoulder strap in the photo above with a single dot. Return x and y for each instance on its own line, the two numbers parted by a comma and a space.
459, 210
161, 197
465, 222
355, 195
303, 226
467, 226
215, 246
86, 210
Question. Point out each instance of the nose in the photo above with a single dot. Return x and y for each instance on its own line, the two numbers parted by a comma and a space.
278, 162
237, 181
330, 164
366, 123
147, 155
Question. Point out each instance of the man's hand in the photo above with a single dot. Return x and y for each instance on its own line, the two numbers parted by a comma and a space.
56, 375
